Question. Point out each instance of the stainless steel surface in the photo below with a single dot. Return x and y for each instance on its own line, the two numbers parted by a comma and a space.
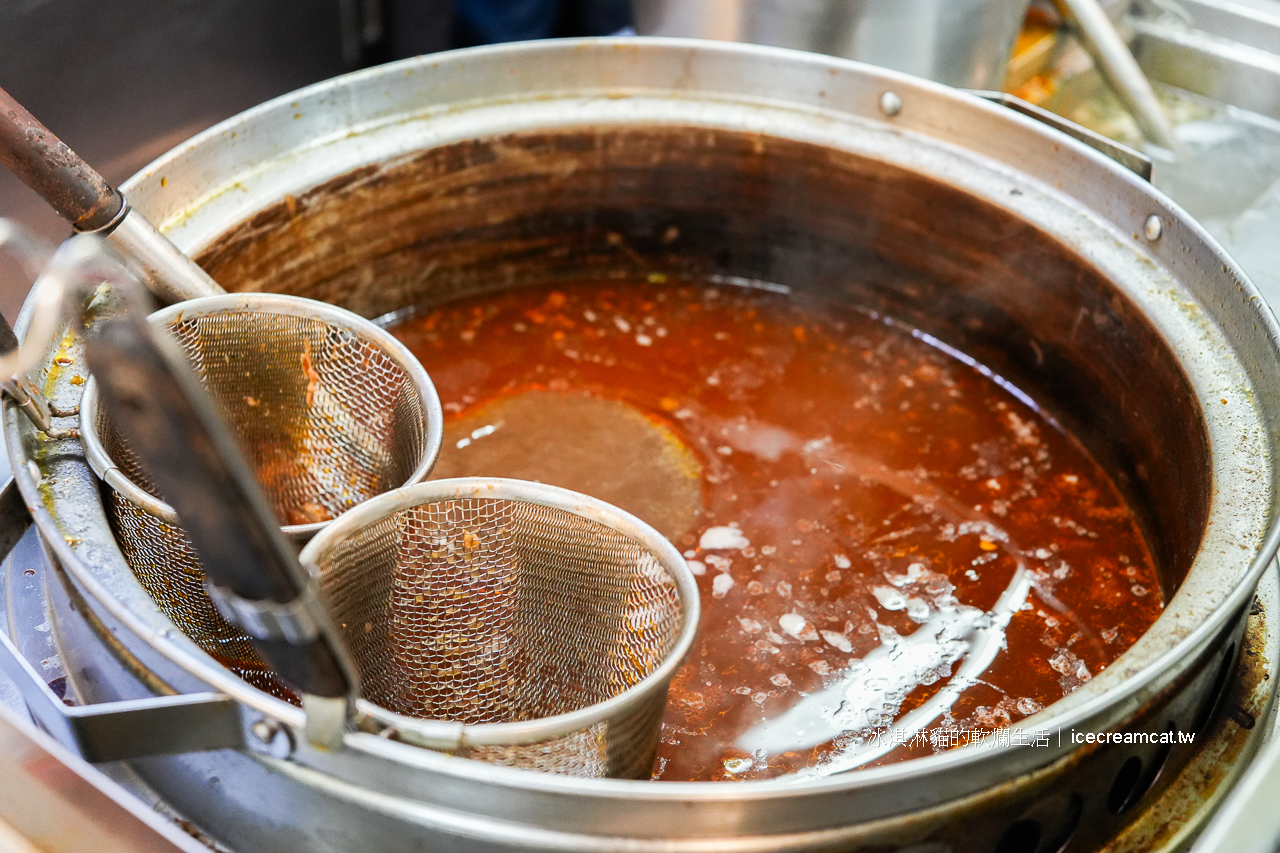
25, 618
58, 803
1247, 823
1246, 820
963, 43
1227, 50
20, 577
117, 730
51, 797
1243, 721
126, 730
1098, 302
511, 622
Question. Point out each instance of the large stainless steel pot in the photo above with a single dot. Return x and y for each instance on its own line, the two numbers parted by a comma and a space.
1065, 274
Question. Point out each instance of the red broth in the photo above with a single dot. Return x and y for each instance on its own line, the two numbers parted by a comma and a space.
866, 510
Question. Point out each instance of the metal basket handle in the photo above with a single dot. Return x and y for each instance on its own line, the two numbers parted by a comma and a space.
1134, 161
251, 571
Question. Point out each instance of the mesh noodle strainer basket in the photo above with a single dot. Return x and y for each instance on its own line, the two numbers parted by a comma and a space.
329, 409
510, 622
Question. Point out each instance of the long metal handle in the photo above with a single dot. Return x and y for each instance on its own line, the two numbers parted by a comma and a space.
1098, 35
161, 266
255, 579
84, 198
44, 162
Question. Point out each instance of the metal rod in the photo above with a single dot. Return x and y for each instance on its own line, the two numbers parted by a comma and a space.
1099, 37
43, 162
163, 268
1134, 161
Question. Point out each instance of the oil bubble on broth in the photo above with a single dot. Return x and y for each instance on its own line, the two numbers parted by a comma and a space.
886, 539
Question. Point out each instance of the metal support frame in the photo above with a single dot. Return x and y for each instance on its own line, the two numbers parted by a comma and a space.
60, 804
114, 731
136, 728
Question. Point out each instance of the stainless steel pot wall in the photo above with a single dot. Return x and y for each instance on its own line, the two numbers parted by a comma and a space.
502, 166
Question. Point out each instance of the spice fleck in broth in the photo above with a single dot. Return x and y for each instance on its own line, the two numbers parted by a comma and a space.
885, 535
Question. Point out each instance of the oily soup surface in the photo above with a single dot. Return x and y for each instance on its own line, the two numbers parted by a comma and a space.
882, 532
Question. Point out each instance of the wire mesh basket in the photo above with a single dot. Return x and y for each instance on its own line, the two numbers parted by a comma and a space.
510, 622
330, 410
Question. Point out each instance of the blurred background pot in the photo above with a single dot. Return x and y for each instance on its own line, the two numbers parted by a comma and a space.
959, 42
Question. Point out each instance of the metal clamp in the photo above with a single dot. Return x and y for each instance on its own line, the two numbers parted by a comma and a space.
39, 409
110, 225
292, 621
30, 254
1134, 161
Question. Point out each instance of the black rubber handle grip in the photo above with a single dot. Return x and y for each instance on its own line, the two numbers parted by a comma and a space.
43, 162
170, 423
